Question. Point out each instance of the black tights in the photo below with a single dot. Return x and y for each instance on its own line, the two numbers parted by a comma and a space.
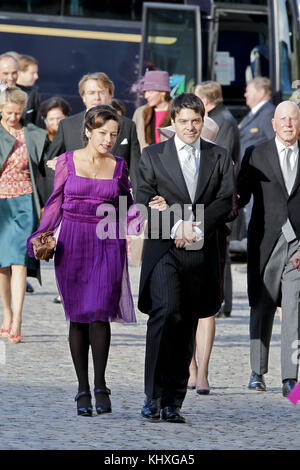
81, 336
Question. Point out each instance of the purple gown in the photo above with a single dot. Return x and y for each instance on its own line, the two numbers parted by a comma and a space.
91, 273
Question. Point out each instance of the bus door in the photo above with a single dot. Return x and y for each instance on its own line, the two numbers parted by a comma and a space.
284, 15
171, 41
239, 49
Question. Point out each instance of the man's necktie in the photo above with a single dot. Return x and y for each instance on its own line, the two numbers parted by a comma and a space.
289, 178
286, 165
190, 170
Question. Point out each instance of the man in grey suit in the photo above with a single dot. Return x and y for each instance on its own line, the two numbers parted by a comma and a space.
271, 173
179, 285
95, 89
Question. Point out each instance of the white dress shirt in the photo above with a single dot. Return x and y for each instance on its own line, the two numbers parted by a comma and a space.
281, 151
258, 106
182, 153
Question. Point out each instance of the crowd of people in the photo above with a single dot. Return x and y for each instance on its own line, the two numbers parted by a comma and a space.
62, 176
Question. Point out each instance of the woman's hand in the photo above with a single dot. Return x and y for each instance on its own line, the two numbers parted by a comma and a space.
295, 260
159, 203
52, 163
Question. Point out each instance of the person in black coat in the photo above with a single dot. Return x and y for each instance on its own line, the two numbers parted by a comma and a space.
27, 76
95, 89
180, 279
271, 173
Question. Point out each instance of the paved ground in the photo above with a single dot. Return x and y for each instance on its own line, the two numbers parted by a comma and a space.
37, 409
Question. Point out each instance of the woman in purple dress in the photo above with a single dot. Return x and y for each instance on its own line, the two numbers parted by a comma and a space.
90, 262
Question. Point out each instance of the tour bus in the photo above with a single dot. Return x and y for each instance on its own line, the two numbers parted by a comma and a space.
194, 40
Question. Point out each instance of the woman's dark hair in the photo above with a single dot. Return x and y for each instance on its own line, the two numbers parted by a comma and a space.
97, 116
118, 105
55, 102
187, 100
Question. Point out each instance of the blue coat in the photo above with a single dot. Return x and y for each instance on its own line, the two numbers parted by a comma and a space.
257, 128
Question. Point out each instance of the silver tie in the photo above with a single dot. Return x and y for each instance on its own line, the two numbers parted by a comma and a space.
286, 165
189, 169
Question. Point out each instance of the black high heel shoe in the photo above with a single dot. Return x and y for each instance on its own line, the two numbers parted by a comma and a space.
84, 410
103, 408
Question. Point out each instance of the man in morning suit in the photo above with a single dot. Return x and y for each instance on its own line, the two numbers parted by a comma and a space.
271, 173
95, 89
179, 284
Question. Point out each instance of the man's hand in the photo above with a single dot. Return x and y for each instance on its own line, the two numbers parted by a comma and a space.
52, 163
159, 203
179, 243
295, 260
186, 232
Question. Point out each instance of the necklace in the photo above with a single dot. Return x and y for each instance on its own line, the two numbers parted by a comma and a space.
94, 173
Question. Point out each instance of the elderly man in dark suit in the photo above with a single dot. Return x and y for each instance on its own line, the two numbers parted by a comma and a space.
271, 173
95, 89
178, 284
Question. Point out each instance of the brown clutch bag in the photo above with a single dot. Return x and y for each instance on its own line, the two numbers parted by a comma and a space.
44, 246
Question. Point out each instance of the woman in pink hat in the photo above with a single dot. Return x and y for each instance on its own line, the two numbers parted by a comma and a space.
156, 112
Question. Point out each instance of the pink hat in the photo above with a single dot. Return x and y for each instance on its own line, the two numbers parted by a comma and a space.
156, 80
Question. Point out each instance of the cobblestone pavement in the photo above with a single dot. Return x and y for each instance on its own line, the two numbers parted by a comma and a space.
38, 385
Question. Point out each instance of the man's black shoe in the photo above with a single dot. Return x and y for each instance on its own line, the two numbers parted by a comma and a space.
287, 386
29, 288
257, 382
151, 409
172, 414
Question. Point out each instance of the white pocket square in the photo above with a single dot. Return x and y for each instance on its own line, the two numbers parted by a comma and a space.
124, 141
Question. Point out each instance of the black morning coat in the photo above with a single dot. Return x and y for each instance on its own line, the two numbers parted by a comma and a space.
261, 176
160, 173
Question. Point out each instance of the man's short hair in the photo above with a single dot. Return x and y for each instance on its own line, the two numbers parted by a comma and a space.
211, 90
262, 83
189, 101
100, 77
7, 55
24, 61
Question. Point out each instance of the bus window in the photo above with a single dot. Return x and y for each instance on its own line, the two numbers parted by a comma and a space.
110, 9
240, 51
288, 52
171, 41
33, 6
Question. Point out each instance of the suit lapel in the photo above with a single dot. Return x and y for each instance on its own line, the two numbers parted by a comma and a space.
6, 145
170, 160
120, 136
273, 159
35, 141
297, 179
247, 119
208, 158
